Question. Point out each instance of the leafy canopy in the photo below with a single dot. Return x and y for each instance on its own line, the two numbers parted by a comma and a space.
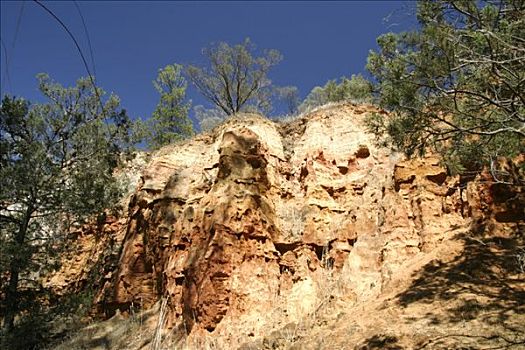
457, 84
234, 78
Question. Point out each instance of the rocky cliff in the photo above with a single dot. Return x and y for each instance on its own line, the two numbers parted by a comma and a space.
259, 225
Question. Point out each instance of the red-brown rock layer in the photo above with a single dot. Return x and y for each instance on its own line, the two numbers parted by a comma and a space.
231, 222
225, 223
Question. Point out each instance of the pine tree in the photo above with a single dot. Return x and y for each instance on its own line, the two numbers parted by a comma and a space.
57, 161
170, 121
456, 85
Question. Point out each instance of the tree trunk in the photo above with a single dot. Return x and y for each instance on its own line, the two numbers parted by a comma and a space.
11, 295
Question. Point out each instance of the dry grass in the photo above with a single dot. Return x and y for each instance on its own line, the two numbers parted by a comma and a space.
520, 259
157, 337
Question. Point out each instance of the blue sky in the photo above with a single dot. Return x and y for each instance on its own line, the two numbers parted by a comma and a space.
131, 40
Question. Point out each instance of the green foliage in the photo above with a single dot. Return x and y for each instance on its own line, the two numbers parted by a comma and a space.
208, 118
169, 122
235, 79
317, 97
356, 89
57, 161
456, 85
44, 323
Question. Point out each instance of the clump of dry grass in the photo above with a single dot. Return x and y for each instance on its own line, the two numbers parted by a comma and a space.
520, 258
157, 337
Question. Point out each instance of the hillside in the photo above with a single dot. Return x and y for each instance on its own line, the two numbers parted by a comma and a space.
302, 235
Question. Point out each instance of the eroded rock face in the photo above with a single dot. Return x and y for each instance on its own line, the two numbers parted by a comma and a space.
257, 226
228, 222
90, 257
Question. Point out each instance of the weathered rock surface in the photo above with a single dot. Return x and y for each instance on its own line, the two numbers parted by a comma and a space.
90, 257
229, 222
258, 224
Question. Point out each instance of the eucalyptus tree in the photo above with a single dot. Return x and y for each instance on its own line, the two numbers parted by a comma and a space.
235, 78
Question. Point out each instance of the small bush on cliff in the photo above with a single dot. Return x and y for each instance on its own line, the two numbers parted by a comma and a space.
208, 118
57, 161
455, 85
356, 89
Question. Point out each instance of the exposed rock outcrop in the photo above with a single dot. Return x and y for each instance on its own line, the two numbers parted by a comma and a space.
259, 215
224, 224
